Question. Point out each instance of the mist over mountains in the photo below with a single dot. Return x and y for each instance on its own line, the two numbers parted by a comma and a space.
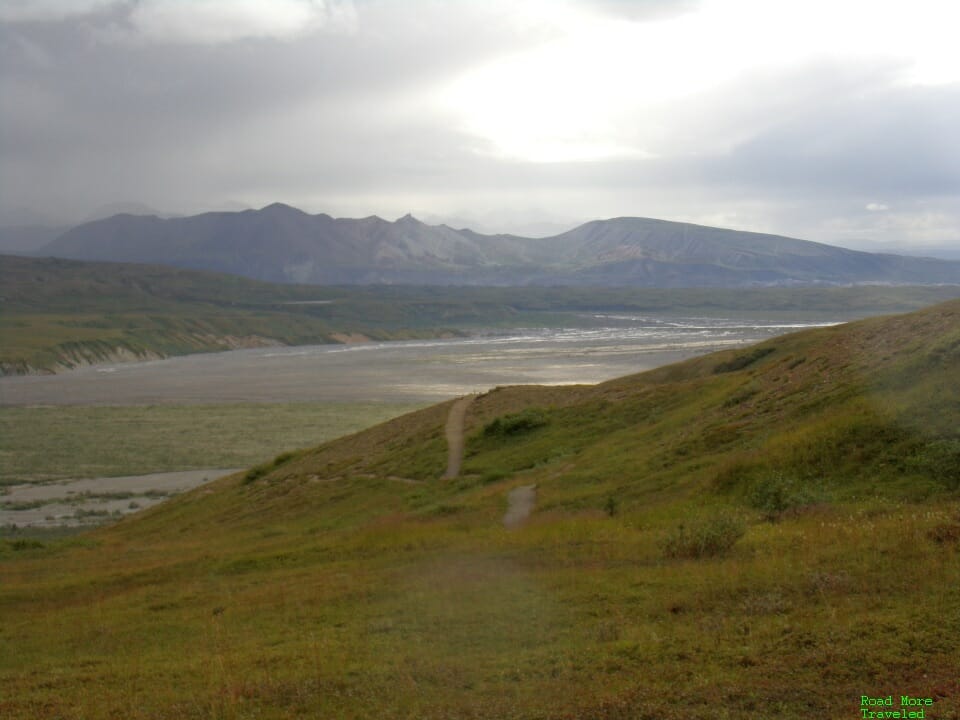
280, 243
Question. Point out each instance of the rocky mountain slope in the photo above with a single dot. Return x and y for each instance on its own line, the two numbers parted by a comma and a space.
282, 244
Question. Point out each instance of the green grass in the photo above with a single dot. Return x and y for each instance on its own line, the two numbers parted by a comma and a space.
359, 612
45, 342
331, 586
59, 314
43, 443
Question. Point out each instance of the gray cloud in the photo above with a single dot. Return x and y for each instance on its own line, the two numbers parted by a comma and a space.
48, 10
223, 21
339, 107
900, 142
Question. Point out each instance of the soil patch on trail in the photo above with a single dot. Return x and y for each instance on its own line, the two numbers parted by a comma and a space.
520, 503
454, 433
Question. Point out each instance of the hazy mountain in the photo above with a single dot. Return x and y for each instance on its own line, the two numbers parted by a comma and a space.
281, 243
943, 250
121, 208
661, 253
26, 239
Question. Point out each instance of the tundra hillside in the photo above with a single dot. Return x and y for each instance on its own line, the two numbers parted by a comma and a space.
764, 532
62, 314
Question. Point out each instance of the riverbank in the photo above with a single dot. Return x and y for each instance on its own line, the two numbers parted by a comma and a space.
418, 371
91, 501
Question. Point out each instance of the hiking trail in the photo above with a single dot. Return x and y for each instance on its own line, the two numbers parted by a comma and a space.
520, 504
454, 431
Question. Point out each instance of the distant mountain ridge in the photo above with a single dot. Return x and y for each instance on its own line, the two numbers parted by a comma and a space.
279, 243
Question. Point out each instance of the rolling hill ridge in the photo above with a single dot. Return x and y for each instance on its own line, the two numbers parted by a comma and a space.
853, 408
61, 314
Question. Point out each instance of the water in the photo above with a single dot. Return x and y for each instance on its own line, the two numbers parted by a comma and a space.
418, 371
91, 501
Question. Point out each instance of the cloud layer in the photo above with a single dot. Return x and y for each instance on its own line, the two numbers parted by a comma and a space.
834, 122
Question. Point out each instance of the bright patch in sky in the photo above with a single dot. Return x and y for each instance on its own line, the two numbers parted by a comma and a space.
605, 87
39, 10
219, 21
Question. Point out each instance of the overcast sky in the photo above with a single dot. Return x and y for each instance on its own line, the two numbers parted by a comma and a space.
831, 120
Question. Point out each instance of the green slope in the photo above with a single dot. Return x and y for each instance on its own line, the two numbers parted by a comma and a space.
57, 314
867, 408
769, 532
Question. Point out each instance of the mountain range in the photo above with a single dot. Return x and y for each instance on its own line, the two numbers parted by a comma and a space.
280, 243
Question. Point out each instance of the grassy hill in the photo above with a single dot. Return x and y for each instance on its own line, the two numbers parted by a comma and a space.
59, 314
764, 532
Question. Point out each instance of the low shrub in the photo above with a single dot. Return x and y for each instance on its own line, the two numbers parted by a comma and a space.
25, 544
740, 397
711, 537
515, 423
258, 471
779, 494
283, 458
945, 533
741, 361
940, 460
796, 363
446, 509
492, 476
738, 472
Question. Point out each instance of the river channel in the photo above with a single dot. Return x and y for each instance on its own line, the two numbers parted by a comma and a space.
417, 371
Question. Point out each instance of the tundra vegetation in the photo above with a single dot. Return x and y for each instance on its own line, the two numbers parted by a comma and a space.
61, 314
348, 581
53, 443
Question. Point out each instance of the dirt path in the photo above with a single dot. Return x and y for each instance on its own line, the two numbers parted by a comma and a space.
520, 504
455, 436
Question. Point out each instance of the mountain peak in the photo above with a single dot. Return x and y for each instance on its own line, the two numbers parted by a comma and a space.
626, 251
279, 207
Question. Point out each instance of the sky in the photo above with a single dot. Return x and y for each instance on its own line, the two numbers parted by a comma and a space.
830, 120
